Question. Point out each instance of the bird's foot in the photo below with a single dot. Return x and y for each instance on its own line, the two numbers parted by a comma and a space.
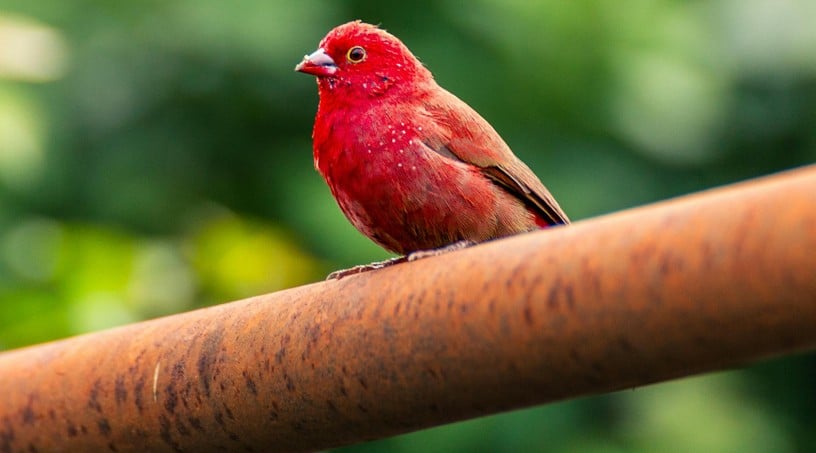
413, 256
419, 254
337, 275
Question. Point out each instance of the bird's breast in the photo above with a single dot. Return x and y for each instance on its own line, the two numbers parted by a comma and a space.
404, 196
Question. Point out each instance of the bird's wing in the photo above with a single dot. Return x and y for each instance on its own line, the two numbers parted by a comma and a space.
462, 134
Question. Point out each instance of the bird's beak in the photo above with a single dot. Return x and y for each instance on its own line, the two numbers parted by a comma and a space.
318, 64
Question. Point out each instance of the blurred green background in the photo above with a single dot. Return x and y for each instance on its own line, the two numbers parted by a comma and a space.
155, 157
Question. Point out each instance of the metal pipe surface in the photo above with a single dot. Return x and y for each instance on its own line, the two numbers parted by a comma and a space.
701, 283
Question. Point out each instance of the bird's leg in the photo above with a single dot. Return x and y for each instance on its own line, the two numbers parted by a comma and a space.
337, 275
419, 254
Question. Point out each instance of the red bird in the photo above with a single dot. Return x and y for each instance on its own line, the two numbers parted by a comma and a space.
412, 166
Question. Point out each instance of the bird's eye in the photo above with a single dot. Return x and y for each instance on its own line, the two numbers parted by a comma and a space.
356, 54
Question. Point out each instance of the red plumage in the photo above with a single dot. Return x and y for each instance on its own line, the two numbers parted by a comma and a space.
411, 165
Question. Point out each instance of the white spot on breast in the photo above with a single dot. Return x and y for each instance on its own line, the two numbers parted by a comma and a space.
393, 140
399, 165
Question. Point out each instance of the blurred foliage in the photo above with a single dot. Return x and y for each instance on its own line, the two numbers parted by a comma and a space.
155, 157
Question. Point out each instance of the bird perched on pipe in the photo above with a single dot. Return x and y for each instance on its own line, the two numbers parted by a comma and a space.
412, 166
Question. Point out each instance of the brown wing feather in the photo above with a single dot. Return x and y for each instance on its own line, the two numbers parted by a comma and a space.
541, 201
462, 134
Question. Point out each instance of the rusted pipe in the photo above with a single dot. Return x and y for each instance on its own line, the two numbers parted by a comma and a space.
696, 284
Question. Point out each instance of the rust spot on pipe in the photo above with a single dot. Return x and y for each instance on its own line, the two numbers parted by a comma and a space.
165, 435
120, 391
250, 384
138, 389
206, 359
104, 427
27, 414
93, 396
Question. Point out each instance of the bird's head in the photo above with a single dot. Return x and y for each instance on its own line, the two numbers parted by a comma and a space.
362, 60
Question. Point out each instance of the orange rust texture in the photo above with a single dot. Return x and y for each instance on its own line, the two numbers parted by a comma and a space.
696, 284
